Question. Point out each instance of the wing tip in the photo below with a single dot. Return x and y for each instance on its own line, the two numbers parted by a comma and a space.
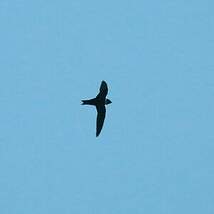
104, 82
104, 87
97, 134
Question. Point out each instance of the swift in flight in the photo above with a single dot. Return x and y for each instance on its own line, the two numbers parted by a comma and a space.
99, 102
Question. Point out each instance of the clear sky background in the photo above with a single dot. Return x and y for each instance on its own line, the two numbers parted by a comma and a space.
155, 152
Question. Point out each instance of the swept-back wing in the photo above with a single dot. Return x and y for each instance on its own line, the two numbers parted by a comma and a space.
103, 90
101, 113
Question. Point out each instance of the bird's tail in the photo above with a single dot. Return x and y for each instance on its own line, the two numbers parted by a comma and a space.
89, 102
85, 102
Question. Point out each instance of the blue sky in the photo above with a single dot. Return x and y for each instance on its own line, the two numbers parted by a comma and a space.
155, 152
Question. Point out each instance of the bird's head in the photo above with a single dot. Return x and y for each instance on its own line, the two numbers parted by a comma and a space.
107, 101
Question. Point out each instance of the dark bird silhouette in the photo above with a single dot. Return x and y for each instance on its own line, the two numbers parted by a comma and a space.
99, 101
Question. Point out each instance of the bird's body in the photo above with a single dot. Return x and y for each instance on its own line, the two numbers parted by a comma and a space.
99, 101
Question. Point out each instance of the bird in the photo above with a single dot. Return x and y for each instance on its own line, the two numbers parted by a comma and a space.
99, 102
